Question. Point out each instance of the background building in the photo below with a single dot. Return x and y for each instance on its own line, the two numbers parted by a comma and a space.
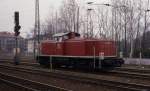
30, 46
7, 43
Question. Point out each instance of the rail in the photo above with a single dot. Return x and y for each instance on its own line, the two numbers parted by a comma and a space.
16, 85
84, 78
29, 84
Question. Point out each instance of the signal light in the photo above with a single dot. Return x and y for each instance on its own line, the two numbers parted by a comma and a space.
16, 30
17, 26
17, 33
16, 18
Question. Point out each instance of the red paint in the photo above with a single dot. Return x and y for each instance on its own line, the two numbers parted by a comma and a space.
107, 47
75, 47
48, 47
59, 48
79, 47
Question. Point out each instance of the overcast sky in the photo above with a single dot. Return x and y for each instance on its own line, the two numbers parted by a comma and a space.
26, 9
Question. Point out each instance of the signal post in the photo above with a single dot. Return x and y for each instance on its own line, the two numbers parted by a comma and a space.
16, 30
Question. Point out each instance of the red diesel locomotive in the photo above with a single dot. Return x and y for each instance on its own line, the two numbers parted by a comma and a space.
69, 50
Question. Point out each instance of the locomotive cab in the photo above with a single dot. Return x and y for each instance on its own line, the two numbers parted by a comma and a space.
64, 36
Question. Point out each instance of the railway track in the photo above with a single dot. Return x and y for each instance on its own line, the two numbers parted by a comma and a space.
21, 63
84, 78
137, 70
133, 75
123, 72
22, 59
15, 85
27, 85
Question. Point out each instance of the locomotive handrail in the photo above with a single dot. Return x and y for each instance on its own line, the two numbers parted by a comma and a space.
78, 56
94, 56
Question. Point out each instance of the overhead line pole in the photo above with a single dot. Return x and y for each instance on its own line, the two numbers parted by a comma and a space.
78, 13
37, 29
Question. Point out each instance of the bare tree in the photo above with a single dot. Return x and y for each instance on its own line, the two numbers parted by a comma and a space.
125, 21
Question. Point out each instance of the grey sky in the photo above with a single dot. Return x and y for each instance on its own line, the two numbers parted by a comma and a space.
26, 9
